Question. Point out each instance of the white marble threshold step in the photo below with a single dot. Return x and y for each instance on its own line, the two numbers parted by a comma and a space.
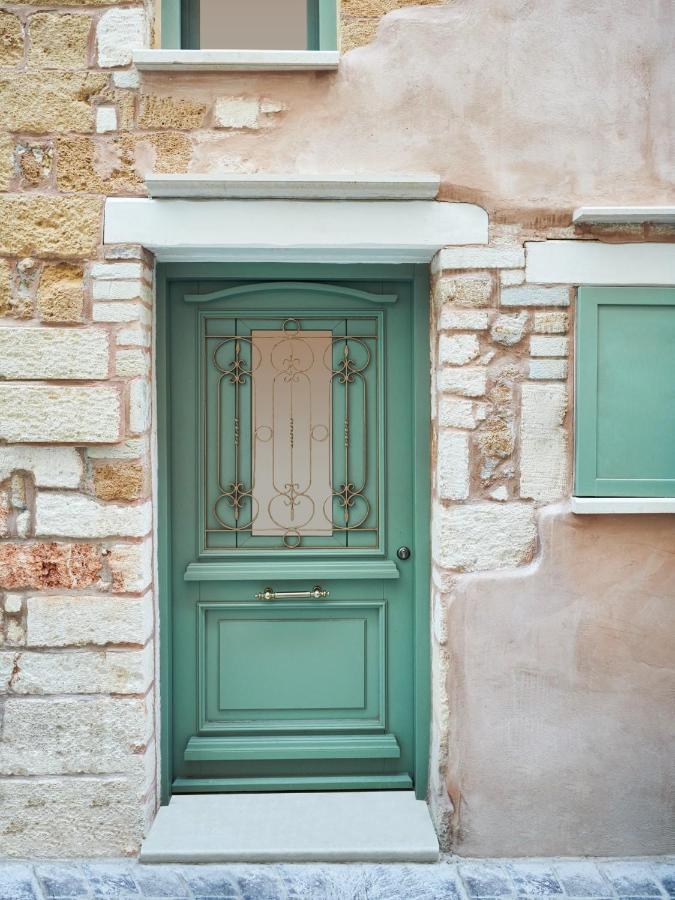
358, 826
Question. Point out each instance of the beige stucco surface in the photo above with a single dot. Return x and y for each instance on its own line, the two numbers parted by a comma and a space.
561, 689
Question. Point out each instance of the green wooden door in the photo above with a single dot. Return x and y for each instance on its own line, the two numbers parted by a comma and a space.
291, 452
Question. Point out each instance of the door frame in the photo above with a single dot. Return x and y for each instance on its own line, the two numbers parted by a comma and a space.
418, 276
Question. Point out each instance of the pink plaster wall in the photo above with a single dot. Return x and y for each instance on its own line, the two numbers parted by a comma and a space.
540, 104
562, 694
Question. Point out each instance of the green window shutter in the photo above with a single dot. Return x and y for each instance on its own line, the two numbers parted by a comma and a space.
625, 392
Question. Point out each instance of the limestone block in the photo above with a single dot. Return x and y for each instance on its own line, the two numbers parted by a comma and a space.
509, 330
456, 412
457, 349
131, 449
123, 480
121, 312
548, 346
469, 381
60, 293
508, 277
118, 33
452, 465
72, 621
58, 736
500, 493
128, 79
535, 295
11, 39
59, 414
49, 565
464, 290
6, 169
139, 406
480, 258
40, 102
13, 603
482, 536
77, 515
49, 466
53, 353
106, 119
58, 41
131, 566
130, 363
462, 319
170, 112
95, 816
242, 112
550, 322
37, 225
114, 272
543, 451
133, 336
551, 369
83, 672
111, 289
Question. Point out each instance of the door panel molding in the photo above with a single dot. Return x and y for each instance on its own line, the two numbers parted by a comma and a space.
350, 746
309, 287
273, 572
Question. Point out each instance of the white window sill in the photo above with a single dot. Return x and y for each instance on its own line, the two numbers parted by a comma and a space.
624, 215
235, 60
592, 506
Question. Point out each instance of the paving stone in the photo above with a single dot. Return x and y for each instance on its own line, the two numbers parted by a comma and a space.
582, 879
485, 880
61, 881
16, 881
211, 883
159, 883
665, 872
260, 884
110, 881
534, 879
631, 879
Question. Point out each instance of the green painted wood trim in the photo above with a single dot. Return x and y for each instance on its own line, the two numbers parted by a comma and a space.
350, 746
190, 24
275, 271
422, 528
306, 783
298, 286
344, 570
321, 25
171, 25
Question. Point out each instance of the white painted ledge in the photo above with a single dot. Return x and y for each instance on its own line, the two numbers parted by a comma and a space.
593, 506
294, 187
594, 262
624, 215
236, 60
342, 231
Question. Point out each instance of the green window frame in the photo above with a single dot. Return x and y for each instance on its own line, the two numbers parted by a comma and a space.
180, 25
625, 392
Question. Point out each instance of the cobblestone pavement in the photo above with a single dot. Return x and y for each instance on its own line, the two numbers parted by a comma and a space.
454, 879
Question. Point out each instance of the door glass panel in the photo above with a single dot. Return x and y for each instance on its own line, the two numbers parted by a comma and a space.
253, 24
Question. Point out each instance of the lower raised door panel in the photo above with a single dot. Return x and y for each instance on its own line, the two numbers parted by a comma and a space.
367, 746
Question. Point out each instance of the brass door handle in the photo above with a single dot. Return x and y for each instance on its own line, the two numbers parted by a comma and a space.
317, 593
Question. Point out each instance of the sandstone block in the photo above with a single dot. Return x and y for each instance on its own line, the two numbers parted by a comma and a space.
452, 465
509, 330
83, 672
11, 39
170, 112
550, 322
73, 736
465, 291
53, 353
60, 293
455, 319
357, 33
97, 166
58, 41
130, 363
59, 414
457, 349
35, 163
37, 225
95, 816
551, 369
6, 168
497, 438
40, 102
131, 566
120, 481
139, 406
76, 515
483, 536
49, 466
49, 565
548, 346
480, 258
535, 295
5, 291
456, 412
5, 512
72, 621
469, 381
543, 451
378, 7
118, 33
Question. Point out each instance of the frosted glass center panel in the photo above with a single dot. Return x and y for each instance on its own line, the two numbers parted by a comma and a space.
253, 24
291, 434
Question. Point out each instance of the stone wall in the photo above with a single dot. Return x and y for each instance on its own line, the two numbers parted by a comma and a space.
78, 750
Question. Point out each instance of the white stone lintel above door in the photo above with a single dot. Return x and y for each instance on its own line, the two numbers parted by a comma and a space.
343, 231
